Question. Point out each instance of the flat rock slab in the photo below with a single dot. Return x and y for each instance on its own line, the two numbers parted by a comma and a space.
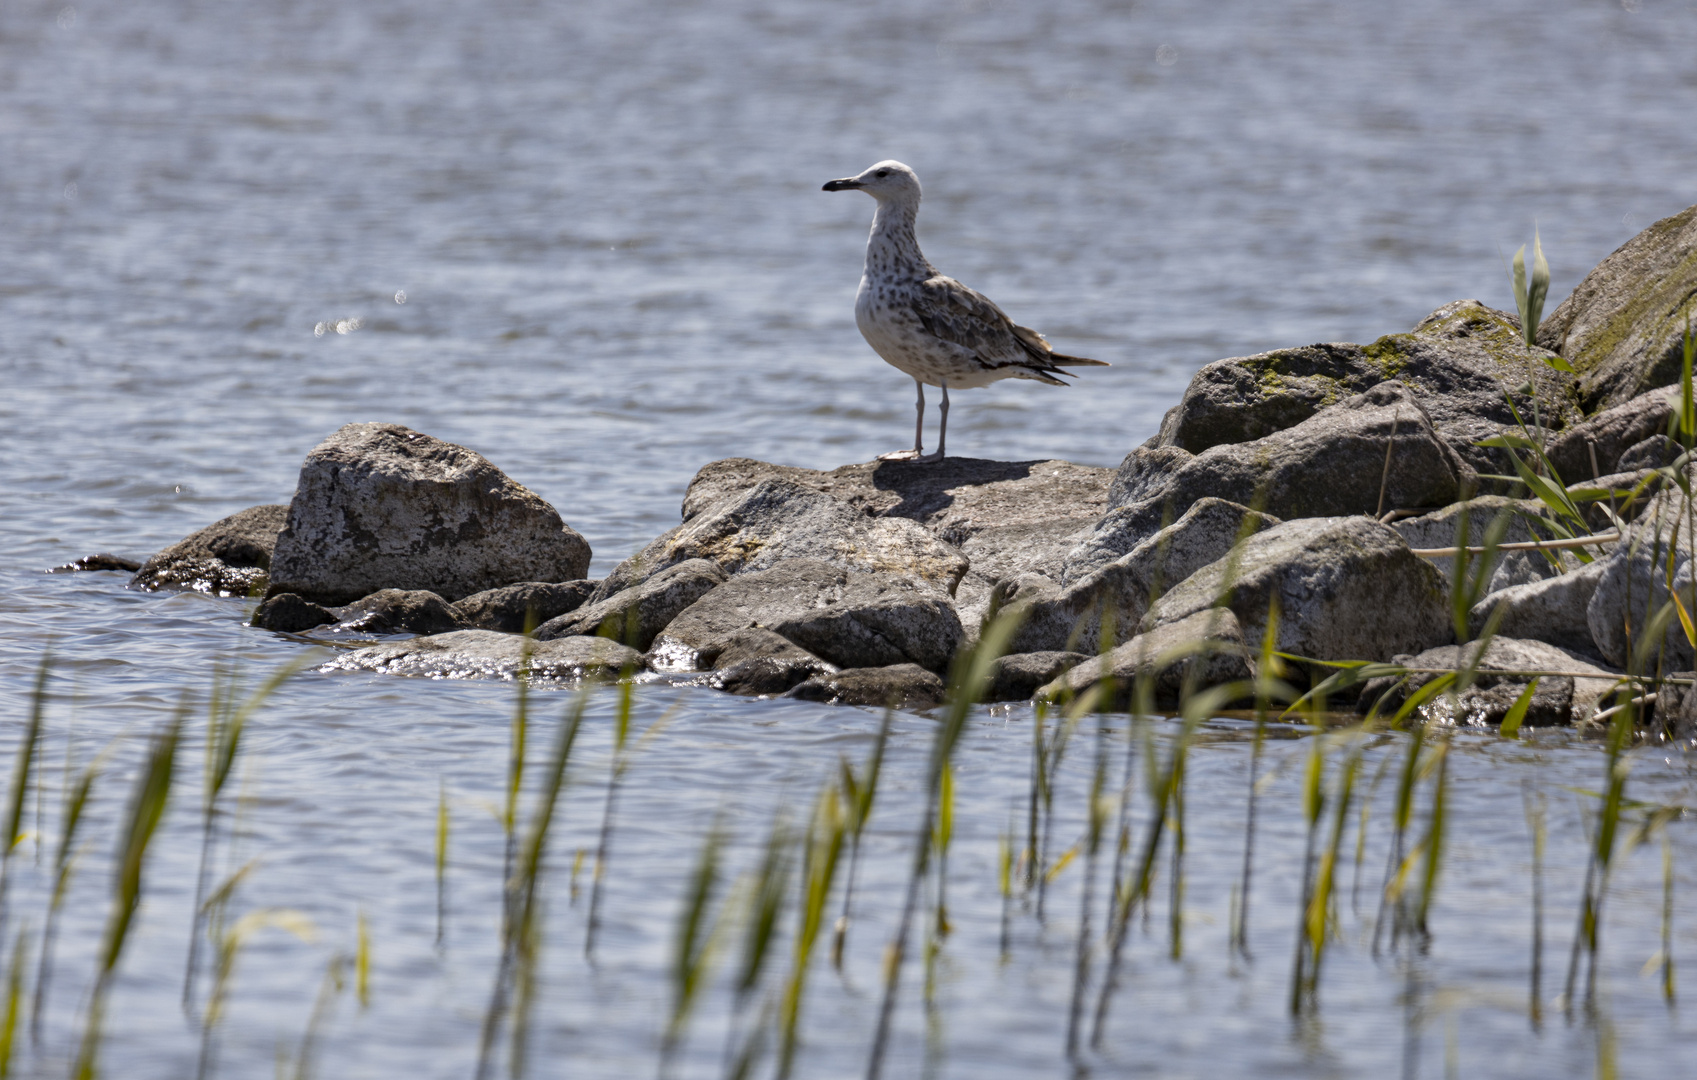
1621, 329
488, 654
527, 605
1496, 687
1192, 654
1347, 588
898, 686
231, 557
753, 529
842, 616
380, 506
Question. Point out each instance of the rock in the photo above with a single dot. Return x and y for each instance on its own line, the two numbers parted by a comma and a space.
512, 608
843, 616
1622, 328
230, 557
1020, 676
651, 604
1549, 609
1442, 528
1202, 650
1676, 709
289, 614
897, 686
1330, 464
380, 506
1638, 567
778, 519
489, 654
400, 611
756, 661
1456, 363
1526, 567
1610, 434
1490, 697
1347, 589
103, 561
1006, 517
1652, 453
1205, 532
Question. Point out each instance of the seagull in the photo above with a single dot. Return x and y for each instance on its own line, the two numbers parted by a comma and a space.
931, 326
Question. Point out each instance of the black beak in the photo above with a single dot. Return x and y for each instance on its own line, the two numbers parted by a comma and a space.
849, 184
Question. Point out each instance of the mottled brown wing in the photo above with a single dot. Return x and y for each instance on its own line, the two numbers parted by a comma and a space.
951, 311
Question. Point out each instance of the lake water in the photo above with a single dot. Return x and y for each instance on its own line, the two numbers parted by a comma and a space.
616, 265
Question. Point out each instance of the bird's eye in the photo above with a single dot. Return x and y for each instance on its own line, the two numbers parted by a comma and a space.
881, 173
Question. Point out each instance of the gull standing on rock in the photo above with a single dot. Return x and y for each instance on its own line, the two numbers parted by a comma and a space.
930, 326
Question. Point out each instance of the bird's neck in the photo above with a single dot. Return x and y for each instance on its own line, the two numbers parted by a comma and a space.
892, 250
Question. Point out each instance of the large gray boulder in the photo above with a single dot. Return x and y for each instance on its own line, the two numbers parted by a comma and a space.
1202, 650
380, 506
1347, 588
1202, 534
1501, 677
845, 617
1457, 363
1553, 609
1610, 434
1330, 464
489, 654
1621, 329
636, 615
777, 520
1633, 584
1005, 517
514, 608
230, 557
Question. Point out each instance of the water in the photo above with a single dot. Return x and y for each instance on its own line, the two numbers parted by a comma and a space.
617, 266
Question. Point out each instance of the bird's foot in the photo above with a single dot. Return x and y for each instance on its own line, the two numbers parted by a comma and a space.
935, 455
901, 455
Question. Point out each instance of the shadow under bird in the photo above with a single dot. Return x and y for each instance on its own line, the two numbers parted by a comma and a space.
929, 325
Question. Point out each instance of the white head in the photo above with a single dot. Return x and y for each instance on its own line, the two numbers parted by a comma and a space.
887, 181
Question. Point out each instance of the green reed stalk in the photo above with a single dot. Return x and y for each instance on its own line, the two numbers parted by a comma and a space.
441, 859
228, 946
1322, 907
1004, 883
1097, 822
824, 852
146, 808
225, 723
14, 1001
70, 818
521, 902
1537, 825
970, 676
1361, 833
1029, 856
1313, 805
859, 795
1403, 810
334, 982
692, 947
1268, 669
604, 845
21, 770
1433, 845
1668, 990
766, 907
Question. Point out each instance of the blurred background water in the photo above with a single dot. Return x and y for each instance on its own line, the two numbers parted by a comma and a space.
605, 224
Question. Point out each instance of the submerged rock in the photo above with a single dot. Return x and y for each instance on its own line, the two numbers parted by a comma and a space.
636, 615
103, 561
488, 654
400, 611
756, 661
1202, 650
843, 616
1347, 588
897, 686
778, 519
1558, 699
289, 614
380, 506
1622, 328
230, 557
529, 604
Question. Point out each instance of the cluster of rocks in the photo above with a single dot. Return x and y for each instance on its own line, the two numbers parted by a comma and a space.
1286, 495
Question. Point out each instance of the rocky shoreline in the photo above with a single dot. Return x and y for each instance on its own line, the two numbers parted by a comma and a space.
1313, 482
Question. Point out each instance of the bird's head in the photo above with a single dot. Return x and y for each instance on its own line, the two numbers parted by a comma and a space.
887, 181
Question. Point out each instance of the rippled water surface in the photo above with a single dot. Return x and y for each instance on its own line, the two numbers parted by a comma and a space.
616, 265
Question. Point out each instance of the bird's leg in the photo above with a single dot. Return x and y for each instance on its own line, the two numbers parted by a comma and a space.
918, 450
942, 427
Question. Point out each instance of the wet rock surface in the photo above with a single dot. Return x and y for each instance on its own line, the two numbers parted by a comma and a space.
513, 608
489, 654
105, 560
848, 618
1558, 698
1019, 676
230, 557
897, 686
1202, 650
289, 614
380, 506
756, 661
1621, 328
400, 611
636, 615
